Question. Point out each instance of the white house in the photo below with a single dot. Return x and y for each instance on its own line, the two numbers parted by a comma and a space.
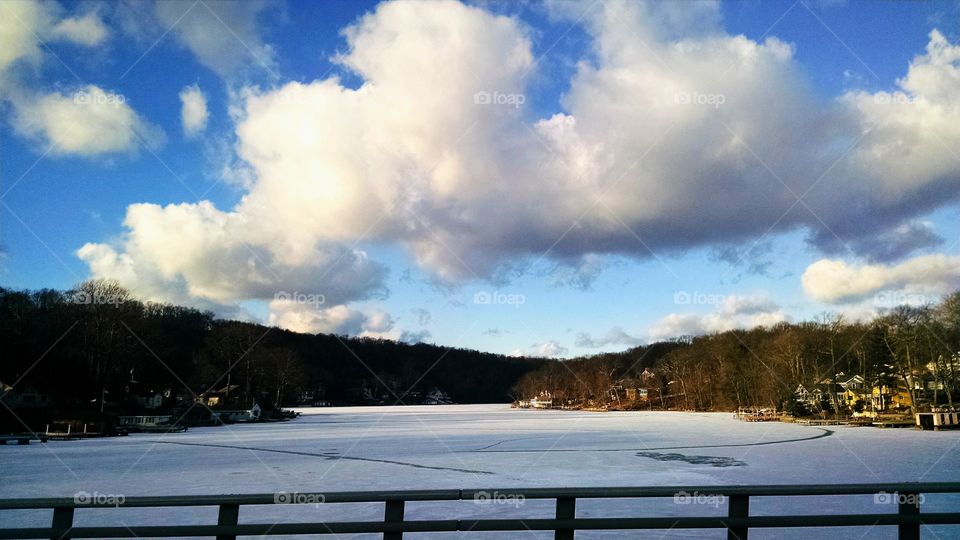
146, 420
249, 415
437, 397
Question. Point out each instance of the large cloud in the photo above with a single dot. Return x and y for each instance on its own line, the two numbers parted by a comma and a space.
674, 135
904, 163
332, 168
927, 276
195, 250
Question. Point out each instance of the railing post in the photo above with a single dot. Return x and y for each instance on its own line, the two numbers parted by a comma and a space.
393, 513
229, 515
908, 505
62, 519
566, 509
738, 507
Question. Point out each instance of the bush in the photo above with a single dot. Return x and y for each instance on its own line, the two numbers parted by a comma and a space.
796, 408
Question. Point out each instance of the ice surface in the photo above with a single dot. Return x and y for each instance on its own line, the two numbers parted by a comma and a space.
485, 447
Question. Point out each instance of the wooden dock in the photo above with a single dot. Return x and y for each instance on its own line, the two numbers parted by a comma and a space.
757, 415
894, 424
22, 439
809, 422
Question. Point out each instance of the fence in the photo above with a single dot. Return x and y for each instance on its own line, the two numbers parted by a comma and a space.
738, 521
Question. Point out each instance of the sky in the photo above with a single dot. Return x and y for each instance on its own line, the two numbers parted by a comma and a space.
555, 179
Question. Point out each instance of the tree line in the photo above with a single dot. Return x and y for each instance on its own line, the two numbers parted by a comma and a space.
910, 348
96, 348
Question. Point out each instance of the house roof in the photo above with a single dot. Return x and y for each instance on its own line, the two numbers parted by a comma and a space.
847, 381
224, 390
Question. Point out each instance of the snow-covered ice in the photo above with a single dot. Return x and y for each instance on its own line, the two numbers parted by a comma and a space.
485, 447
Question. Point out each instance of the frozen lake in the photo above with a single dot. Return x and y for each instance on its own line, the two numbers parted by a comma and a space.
483, 446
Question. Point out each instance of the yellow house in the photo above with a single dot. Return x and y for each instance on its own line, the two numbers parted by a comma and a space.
887, 397
850, 397
901, 399
880, 395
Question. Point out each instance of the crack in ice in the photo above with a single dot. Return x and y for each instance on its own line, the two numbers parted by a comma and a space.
328, 456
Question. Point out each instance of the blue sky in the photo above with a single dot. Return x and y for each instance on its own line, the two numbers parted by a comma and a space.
574, 212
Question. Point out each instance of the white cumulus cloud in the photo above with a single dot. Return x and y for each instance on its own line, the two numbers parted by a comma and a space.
87, 122
548, 349
193, 111
836, 281
88, 30
25, 24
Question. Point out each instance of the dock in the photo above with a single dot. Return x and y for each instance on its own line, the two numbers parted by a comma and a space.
809, 422
894, 424
23, 439
757, 415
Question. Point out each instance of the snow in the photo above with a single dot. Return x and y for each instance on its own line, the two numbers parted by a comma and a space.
483, 447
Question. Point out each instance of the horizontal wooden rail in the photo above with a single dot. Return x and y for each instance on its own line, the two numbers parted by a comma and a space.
906, 498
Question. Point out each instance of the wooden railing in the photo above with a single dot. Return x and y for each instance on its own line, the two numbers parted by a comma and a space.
905, 497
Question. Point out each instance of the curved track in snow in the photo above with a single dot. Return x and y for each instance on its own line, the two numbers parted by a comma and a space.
826, 433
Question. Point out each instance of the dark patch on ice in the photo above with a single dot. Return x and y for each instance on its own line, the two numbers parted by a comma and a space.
326, 455
713, 461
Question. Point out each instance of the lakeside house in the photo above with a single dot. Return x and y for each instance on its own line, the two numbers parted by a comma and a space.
219, 396
150, 398
145, 420
543, 400
628, 390
313, 396
828, 394
886, 395
437, 397
27, 398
